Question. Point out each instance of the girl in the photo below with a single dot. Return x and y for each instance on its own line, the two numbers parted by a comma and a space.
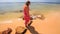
26, 13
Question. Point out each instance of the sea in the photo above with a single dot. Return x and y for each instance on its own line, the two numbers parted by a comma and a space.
14, 6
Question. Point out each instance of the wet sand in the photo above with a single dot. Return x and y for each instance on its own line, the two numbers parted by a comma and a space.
50, 25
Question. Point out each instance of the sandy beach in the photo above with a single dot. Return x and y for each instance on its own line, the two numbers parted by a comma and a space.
49, 25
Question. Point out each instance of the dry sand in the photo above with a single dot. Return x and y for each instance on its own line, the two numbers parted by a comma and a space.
50, 25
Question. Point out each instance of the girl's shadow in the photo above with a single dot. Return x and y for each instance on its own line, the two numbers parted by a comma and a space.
32, 30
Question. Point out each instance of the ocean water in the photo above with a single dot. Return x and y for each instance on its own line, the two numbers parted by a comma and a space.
10, 6
14, 6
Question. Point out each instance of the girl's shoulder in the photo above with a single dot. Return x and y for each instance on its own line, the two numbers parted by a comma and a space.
24, 6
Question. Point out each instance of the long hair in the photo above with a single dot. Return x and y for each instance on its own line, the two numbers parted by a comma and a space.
27, 3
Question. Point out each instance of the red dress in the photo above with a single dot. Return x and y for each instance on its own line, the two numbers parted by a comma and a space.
26, 14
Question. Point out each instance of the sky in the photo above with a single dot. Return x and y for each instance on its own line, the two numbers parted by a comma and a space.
30, 0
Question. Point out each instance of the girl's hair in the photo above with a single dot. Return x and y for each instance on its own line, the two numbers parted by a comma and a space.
27, 3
